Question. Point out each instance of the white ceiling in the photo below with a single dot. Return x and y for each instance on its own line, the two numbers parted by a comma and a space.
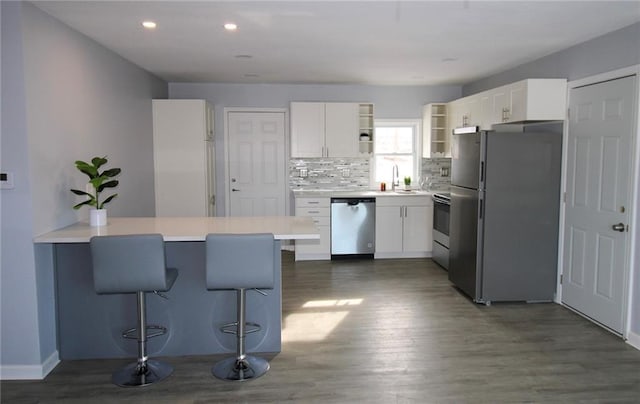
341, 42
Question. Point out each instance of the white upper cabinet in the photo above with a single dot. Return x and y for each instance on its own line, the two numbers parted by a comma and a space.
307, 129
538, 100
320, 129
342, 129
525, 100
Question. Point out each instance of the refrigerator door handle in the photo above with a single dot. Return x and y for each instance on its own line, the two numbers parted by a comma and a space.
481, 171
480, 208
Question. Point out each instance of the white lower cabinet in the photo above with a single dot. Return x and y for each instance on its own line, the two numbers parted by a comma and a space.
403, 226
320, 210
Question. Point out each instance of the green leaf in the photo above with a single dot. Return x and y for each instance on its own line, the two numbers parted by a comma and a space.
87, 202
81, 193
99, 161
107, 200
112, 172
109, 184
88, 169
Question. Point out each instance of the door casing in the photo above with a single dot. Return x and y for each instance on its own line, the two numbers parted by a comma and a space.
633, 271
287, 152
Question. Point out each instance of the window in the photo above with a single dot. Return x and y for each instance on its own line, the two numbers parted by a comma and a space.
396, 143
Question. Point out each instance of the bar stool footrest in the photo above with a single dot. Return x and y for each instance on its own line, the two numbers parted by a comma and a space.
232, 328
152, 331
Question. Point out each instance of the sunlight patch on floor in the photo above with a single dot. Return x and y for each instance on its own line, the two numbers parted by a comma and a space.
329, 303
311, 324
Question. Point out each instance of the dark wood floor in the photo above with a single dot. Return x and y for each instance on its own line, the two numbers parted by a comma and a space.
387, 331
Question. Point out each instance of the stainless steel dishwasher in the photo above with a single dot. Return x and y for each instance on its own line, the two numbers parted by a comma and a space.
353, 227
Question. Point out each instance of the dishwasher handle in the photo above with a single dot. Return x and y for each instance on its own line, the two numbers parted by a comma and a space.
353, 201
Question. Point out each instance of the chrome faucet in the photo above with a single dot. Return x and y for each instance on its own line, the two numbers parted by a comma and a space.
395, 177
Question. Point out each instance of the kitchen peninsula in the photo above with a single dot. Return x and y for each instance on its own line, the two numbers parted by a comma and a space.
90, 325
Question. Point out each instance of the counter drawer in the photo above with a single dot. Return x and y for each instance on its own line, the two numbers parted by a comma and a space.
314, 211
322, 221
414, 200
312, 202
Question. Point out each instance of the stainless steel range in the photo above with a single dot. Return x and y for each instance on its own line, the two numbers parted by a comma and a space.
441, 207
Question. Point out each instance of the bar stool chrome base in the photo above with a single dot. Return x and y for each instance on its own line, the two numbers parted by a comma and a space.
133, 376
239, 370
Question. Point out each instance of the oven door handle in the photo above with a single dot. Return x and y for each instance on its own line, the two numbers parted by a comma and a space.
443, 201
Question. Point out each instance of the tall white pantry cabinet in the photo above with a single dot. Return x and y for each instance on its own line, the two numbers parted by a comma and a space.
184, 158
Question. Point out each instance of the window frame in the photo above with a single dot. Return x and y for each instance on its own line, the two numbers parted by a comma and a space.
416, 124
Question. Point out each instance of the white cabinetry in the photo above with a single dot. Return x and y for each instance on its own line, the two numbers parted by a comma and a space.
320, 210
342, 129
183, 157
525, 100
537, 100
329, 129
436, 140
403, 226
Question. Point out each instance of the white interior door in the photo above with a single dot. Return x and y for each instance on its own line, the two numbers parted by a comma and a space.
257, 165
596, 238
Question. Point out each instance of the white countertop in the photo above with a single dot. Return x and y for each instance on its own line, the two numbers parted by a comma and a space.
187, 228
327, 193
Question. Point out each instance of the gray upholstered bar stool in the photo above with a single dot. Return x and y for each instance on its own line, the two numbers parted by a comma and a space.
240, 262
134, 264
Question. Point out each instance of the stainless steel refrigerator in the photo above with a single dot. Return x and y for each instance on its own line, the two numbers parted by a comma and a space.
505, 203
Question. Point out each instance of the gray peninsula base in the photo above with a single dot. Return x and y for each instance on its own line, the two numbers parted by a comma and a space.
90, 325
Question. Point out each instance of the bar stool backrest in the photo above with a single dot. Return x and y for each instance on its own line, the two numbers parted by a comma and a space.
240, 261
131, 263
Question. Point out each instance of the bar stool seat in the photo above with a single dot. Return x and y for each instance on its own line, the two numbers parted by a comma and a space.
240, 262
134, 264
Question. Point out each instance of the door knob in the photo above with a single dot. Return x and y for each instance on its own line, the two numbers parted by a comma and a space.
618, 227
234, 190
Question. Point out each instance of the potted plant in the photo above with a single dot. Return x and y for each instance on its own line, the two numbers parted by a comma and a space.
99, 181
407, 183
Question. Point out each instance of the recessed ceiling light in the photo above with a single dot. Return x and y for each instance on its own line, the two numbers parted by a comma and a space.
149, 24
230, 26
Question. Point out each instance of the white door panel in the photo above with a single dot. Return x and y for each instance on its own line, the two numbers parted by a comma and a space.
598, 197
257, 165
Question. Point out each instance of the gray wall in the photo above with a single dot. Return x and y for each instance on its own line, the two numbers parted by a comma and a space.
399, 102
612, 51
70, 99
609, 52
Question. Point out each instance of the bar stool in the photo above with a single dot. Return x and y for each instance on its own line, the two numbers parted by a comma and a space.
134, 264
240, 262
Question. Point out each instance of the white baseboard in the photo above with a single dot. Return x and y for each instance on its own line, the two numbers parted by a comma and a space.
633, 339
29, 372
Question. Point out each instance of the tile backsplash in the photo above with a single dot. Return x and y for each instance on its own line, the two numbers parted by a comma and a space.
354, 173
437, 172
347, 174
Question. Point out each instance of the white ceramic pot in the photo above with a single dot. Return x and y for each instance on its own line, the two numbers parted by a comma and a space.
98, 217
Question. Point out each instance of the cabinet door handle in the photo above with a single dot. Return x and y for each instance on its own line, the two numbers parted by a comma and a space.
505, 114
234, 190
